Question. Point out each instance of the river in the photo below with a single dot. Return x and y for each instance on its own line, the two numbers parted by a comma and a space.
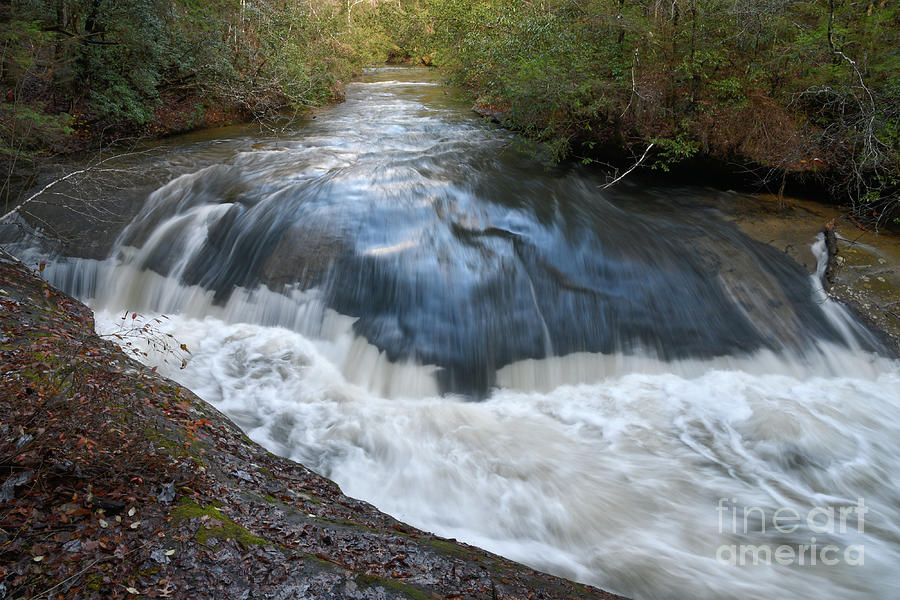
614, 385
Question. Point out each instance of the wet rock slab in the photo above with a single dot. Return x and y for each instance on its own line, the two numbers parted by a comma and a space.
867, 267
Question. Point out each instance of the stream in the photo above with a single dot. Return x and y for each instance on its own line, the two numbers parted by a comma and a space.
615, 385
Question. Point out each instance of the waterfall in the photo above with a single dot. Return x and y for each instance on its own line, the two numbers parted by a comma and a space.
616, 386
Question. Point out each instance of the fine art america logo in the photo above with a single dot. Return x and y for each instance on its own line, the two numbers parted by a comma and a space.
825, 521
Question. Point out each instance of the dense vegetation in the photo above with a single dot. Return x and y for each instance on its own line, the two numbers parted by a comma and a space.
803, 89
791, 90
79, 73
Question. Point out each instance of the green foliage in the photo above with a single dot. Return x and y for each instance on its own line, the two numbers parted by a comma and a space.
782, 83
24, 130
122, 63
674, 150
27, 127
397, 32
728, 90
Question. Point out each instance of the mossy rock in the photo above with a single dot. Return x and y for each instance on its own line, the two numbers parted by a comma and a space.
228, 530
389, 585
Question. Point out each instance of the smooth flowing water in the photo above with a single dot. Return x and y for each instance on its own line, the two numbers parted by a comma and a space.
616, 385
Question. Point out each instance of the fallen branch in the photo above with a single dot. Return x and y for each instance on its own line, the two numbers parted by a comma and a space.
633, 167
60, 180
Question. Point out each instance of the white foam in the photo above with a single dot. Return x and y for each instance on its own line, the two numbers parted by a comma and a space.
614, 483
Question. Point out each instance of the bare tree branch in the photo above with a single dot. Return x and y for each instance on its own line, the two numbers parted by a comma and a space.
633, 167
64, 178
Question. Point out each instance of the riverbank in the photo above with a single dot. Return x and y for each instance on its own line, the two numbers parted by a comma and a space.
117, 483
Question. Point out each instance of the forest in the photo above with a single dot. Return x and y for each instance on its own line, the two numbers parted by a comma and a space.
776, 92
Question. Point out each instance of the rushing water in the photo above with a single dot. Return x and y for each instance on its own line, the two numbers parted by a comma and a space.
616, 386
